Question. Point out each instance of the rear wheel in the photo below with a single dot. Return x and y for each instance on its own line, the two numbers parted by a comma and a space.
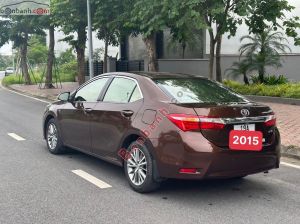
53, 138
139, 168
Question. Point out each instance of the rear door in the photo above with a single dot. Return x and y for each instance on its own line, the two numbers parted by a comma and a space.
112, 117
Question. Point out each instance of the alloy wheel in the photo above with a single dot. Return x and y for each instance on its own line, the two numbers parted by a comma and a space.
137, 167
52, 136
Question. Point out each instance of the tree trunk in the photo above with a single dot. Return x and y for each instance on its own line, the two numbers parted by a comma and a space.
218, 59
105, 57
150, 43
24, 65
246, 80
211, 56
80, 48
50, 60
81, 65
183, 50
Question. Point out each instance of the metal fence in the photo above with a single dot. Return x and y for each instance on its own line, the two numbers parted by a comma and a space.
127, 66
98, 68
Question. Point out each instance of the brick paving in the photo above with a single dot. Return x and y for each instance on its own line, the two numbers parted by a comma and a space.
288, 116
288, 121
45, 93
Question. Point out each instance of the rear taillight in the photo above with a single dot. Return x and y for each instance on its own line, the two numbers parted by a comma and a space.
192, 123
271, 121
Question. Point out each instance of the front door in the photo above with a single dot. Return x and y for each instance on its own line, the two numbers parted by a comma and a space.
75, 116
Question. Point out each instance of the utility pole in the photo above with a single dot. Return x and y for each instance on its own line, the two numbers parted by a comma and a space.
90, 39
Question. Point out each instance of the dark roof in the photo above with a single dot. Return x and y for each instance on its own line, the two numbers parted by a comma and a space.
155, 75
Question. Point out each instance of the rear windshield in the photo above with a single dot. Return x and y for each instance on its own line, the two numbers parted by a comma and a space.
198, 90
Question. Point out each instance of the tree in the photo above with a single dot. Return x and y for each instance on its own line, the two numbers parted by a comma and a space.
263, 50
66, 57
108, 24
223, 16
220, 16
37, 50
240, 68
21, 29
71, 17
5, 26
145, 17
49, 22
185, 24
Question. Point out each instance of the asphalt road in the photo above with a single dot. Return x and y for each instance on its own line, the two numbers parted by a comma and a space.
37, 187
2, 73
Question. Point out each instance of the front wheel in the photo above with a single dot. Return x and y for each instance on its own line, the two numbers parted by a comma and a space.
53, 138
139, 168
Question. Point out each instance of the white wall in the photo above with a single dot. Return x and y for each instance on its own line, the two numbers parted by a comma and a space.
231, 46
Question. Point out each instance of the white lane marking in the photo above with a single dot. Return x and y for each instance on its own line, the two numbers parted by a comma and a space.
99, 183
290, 165
16, 137
30, 97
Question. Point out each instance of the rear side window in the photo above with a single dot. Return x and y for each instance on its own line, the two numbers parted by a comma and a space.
198, 90
121, 90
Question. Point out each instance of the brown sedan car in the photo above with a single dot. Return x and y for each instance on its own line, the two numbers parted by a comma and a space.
162, 125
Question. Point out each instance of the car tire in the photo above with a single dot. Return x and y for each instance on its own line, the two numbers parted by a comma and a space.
53, 138
139, 169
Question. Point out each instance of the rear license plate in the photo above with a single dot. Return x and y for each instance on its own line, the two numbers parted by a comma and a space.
244, 127
245, 140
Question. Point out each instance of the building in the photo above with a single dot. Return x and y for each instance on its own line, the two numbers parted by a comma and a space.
196, 56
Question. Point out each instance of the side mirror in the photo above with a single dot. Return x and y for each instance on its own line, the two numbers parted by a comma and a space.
64, 96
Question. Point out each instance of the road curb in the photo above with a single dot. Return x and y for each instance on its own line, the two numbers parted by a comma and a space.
17, 91
290, 151
268, 99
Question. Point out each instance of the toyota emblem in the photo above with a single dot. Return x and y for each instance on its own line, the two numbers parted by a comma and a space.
245, 112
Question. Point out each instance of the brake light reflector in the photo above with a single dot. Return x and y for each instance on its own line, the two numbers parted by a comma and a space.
188, 171
192, 122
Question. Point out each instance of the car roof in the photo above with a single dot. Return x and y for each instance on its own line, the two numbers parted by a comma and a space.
162, 75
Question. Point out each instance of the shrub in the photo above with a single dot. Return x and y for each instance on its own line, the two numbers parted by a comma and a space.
288, 90
270, 80
68, 70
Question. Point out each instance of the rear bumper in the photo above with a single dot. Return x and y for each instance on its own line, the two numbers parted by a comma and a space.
211, 161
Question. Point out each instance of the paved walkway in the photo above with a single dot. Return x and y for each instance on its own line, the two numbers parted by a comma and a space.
288, 116
288, 121
45, 93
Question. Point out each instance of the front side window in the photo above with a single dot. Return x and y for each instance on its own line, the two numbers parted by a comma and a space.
121, 90
91, 91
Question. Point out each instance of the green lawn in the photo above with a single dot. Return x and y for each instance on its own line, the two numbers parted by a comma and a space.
15, 79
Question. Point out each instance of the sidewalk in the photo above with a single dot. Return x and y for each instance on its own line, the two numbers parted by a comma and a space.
50, 94
288, 119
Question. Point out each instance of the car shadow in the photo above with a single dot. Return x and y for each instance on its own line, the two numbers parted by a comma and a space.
185, 191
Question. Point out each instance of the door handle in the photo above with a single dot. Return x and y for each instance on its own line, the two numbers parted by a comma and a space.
88, 110
127, 113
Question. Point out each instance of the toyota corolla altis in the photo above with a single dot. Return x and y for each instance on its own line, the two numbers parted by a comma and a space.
162, 125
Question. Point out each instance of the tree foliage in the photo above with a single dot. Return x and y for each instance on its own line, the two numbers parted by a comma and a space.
264, 49
71, 16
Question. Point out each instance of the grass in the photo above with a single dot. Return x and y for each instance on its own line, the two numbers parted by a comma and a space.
15, 79
289, 90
